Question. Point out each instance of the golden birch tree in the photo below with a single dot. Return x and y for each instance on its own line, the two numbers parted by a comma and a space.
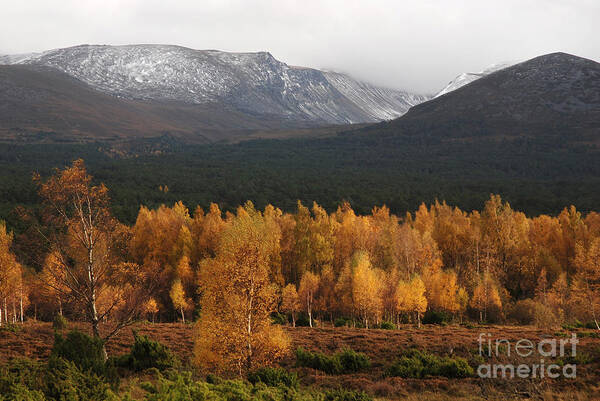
235, 333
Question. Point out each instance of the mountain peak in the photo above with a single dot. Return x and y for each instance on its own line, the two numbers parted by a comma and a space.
553, 94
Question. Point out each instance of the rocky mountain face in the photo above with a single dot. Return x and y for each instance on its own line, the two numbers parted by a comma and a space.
256, 84
555, 94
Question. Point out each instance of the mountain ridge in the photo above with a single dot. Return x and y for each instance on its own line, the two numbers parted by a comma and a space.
553, 94
253, 83
40, 103
467, 77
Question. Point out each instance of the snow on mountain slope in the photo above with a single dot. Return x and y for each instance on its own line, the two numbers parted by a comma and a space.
15, 58
255, 83
379, 103
467, 77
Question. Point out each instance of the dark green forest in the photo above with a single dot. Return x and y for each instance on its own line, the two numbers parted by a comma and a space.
536, 175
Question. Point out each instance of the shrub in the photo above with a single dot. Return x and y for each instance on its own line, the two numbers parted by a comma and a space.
279, 318
302, 320
19, 392
181, 386
65, 381
274, 377
347, 395
528, 311
359, 324
59, 379
544, 316
575, 325
60, 323
590, 334
319, 361
419, 364
340, 322
523, 311
387, 326
19, 374
11, 328
436, 317
84, 351
353, 361
346, 361
147, 354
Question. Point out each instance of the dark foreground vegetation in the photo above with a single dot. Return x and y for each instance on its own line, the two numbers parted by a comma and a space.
76, 370
408, 363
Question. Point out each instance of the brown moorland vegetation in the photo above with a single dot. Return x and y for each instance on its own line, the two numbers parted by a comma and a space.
35, 341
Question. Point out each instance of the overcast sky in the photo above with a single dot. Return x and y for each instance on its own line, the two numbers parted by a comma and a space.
418, 45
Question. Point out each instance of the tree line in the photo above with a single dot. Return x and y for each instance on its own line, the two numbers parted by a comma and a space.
491, 265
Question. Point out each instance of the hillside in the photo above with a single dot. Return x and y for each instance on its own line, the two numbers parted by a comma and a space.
554, 94
43, 104
523, 132
256, 84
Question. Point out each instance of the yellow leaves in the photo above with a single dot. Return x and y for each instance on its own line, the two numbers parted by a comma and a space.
290, 302
234, 333
410, 296
151, 306
486, 297
419, 301
424, 219
462, 298
178, 295
588, 260
586, 286
442, 291
184, 271
208, 231
366, 288
270, 345
309, 285
10, 269
12, 286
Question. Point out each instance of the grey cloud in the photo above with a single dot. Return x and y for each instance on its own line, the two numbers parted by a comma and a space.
414, 45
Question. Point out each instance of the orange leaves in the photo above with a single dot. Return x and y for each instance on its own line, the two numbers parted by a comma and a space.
371, 267
486, 298
290, 302
234, 332
410, 296
442, 291
309, 285
587, 280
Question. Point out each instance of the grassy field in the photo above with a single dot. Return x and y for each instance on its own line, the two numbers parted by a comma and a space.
382, 347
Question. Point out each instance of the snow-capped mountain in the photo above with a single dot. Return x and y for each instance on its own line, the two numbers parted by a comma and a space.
253, 83
15, 58
468, 77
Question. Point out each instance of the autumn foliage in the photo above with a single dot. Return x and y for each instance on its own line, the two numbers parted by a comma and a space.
238, 296
231, 271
